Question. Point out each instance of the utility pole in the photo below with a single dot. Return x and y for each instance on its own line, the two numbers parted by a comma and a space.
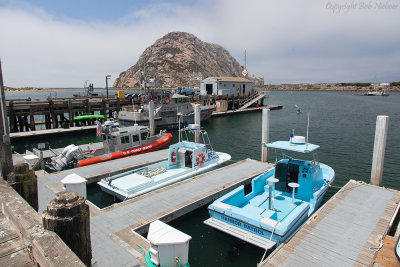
245, 59
107, 77
6, 164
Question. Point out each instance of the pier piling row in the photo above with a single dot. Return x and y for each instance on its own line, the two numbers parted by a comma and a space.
56, 112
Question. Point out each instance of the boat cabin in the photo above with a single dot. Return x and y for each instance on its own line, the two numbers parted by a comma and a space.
119, 139
187, 155
291, 171
177, 98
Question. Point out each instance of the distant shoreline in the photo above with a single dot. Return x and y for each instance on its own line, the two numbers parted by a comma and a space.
286, 87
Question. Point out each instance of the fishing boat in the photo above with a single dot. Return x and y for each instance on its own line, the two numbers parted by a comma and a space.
166, 110
281, 199
377, 93
185, 160
117, 143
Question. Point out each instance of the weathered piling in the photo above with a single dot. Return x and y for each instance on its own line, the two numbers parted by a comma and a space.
265, 135
151, 118
382, 124
68, 216
6, 164
197, 121
24, 181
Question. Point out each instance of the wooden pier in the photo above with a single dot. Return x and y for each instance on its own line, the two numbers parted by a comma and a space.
13, 251
115, 230
346, 231
92, 128
58, 112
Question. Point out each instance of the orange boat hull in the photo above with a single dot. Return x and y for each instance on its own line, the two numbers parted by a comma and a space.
131, 152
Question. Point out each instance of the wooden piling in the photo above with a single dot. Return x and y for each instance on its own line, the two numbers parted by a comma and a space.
13, 119
24, 181
151, 118
52, 117
197, 120
104, 108
70, 114
6, 163
265, 135
382, 124
32, 120
68, 216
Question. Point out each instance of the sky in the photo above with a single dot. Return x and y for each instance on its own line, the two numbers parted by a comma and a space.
63, 43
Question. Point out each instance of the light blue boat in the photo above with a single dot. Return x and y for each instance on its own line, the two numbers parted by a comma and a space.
185, 160
281, 200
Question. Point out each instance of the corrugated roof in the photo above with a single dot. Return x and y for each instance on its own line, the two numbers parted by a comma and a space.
231, 79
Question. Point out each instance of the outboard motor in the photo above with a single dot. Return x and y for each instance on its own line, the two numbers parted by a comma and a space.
70, 155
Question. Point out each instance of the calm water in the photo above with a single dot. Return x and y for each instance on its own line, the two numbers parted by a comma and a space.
342, 124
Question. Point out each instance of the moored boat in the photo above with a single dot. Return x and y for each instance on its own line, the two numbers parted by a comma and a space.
117, 143
166, 110
281, 200
185, 160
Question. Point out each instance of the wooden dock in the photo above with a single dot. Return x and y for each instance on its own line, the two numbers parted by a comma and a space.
61, 111
346, 231
246, 110
115, 230
13, 251
92, 128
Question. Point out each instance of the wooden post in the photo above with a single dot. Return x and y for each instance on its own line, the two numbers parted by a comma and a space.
68, 216
104, 108
13, 119
265, 135
197, 120
71, 114
32, 119
24, 181
6, 163
53, 117
20, 123
382, 124
151, 118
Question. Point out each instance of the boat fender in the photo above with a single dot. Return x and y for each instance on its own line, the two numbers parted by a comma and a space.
200, 159
166, 100
173, 157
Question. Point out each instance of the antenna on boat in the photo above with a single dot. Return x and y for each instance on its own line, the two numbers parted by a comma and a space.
308, 125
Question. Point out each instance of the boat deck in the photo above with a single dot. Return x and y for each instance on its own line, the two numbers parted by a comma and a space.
115, 231
345, 231
56, 151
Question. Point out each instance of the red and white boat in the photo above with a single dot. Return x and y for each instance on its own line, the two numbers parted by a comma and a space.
117, 143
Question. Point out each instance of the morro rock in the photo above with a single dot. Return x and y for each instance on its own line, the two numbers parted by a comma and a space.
182, 59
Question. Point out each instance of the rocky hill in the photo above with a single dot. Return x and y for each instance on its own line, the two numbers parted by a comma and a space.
182, 59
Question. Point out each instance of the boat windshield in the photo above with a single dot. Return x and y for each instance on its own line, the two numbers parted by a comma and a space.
284, 154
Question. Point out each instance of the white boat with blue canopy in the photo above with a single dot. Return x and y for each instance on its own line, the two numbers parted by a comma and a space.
280, 201
185, 160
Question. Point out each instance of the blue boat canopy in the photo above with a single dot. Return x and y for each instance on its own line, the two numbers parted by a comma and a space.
287, 145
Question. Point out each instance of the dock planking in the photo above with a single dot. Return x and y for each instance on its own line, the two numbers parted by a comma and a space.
345, 231
13, 251
115, 230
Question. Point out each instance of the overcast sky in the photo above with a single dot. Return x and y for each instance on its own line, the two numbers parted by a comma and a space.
47, 43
